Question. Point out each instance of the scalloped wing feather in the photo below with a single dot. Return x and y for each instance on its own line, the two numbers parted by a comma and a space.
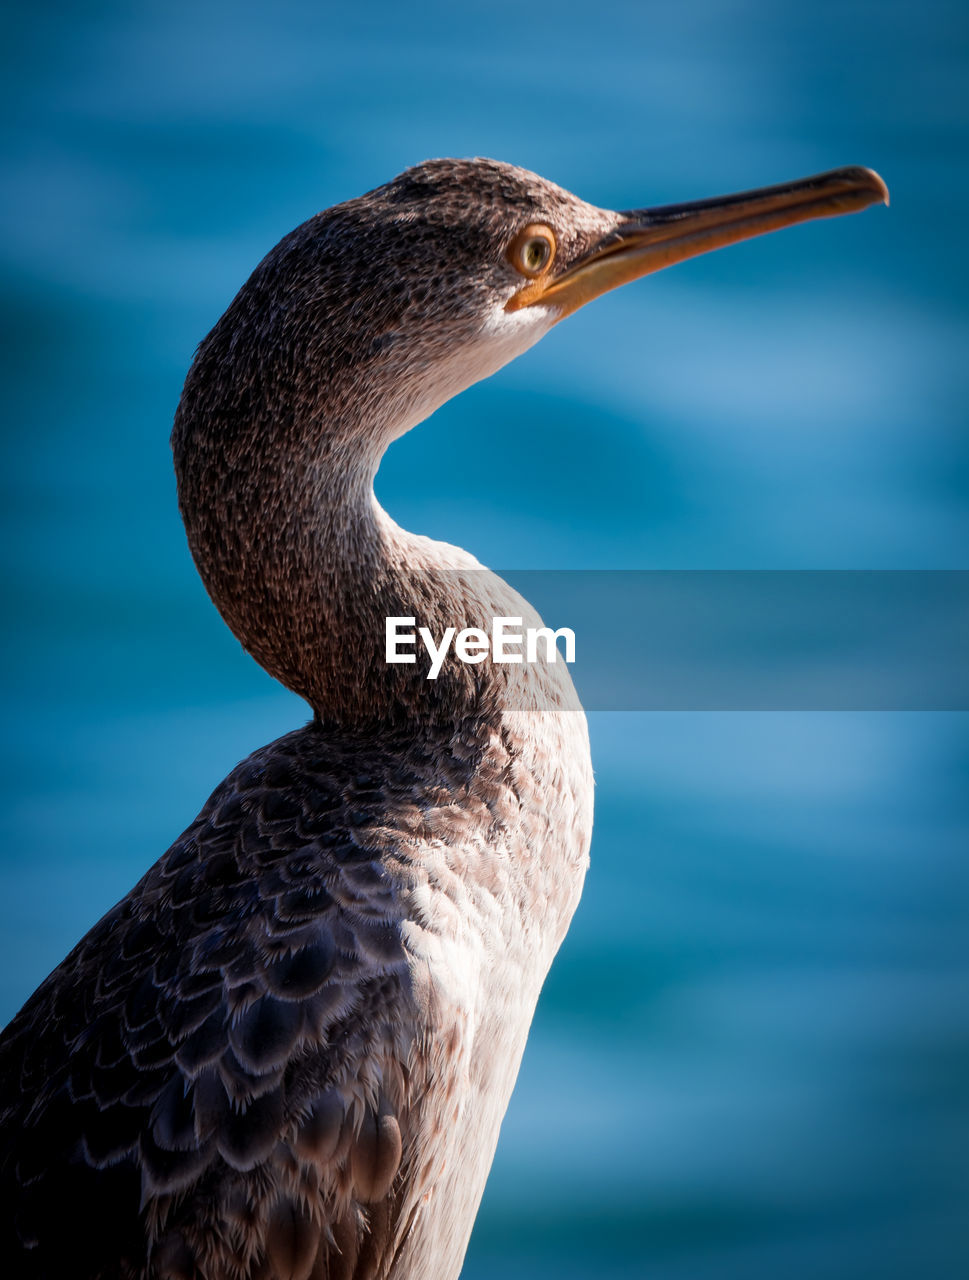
219, 1079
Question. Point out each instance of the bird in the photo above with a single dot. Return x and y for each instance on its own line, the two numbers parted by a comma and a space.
286, 1053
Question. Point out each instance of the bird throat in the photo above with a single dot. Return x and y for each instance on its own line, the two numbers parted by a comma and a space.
305, 567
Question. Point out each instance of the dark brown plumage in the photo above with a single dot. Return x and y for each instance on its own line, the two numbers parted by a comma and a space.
191, 1055
286, 1054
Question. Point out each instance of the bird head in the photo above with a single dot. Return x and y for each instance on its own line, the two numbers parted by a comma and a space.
370, 315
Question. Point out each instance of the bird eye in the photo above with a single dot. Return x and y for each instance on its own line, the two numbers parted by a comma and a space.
532, 250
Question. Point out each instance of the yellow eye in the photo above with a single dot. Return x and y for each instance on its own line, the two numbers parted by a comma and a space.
532, 250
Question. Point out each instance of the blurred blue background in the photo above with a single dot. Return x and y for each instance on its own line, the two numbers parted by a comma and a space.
751, 1060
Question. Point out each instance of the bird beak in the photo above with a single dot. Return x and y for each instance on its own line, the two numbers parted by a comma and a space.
647, 240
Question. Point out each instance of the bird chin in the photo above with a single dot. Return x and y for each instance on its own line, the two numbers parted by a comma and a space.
502, 336
505, 335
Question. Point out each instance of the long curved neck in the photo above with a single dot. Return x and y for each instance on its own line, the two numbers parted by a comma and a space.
305, 567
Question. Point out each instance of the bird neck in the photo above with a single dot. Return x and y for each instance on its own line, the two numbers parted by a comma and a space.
305, 567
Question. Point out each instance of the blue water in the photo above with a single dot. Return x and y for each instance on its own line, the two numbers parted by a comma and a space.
751, 1060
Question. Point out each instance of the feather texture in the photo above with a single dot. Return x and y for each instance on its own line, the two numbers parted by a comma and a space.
286, 1054
228, 1077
